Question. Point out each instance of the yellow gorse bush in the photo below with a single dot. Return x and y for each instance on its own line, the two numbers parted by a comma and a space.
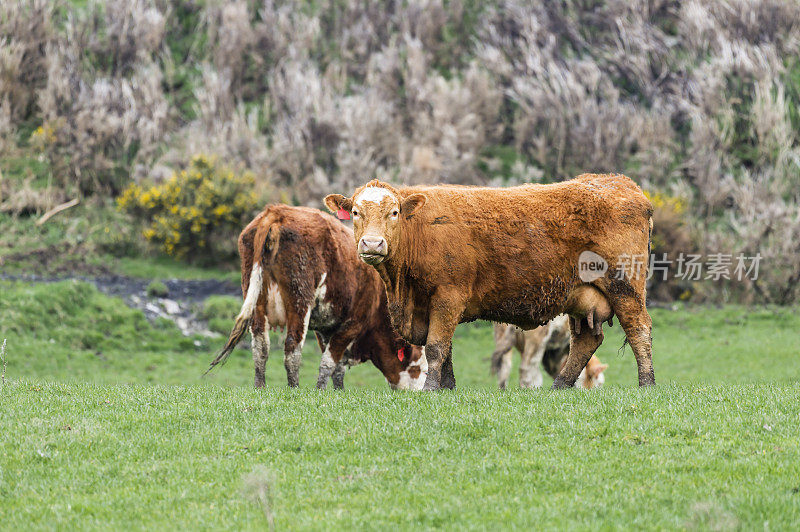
669, 217
665, 201
195, 209
44, 135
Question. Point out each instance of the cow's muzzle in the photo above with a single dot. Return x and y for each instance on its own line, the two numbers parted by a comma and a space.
372, 250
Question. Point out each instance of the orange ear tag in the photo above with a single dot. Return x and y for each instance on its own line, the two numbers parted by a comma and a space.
343, 214
400, 355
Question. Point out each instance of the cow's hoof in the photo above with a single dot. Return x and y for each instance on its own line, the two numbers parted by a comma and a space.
431, 385
647, 379
449, 384
560, 384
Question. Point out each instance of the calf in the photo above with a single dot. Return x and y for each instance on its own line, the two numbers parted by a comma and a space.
300, 271
449, 254
547, 345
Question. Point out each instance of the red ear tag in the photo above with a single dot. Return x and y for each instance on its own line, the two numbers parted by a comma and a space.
400, 355
343, 214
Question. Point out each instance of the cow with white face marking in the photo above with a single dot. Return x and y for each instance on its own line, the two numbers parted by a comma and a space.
449, 254
300, 271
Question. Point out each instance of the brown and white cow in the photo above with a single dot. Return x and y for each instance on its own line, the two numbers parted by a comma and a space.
547, 346
449, 254
300, 271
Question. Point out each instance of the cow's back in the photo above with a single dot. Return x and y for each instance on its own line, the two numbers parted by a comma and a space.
314, 254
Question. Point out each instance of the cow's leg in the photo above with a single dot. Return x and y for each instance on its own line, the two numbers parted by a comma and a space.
338, 374
296, 329
445, 310
326, 363
505, 338
637, 325
504, 371
437, 352
530, 373
337, 359
627, 298
259, 329
448, 375
582, 346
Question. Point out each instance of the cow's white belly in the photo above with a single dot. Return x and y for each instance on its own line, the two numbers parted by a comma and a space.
276, 312
319, 316
322, 316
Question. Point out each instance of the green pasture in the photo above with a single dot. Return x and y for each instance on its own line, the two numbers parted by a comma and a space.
106, 423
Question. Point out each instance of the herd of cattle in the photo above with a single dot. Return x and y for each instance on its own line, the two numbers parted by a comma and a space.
420, 260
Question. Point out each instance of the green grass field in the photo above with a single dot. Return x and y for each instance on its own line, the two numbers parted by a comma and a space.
106, 423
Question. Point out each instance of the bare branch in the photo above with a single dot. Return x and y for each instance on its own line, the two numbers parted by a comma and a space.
55, 210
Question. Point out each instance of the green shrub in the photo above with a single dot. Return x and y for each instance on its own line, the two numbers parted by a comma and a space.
197, 213
220, 312
157, 289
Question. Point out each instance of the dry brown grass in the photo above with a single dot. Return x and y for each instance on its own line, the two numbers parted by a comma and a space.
690, 97
3, 360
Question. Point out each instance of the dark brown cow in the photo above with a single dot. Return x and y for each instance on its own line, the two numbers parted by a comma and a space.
449, 254
300, 271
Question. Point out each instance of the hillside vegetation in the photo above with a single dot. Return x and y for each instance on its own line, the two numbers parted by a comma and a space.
695, 100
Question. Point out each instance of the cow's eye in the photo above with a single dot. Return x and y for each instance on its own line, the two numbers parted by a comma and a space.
395, 212
355, 213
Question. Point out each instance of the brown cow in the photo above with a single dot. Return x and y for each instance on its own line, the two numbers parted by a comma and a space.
300, 271
449, 254
547, 345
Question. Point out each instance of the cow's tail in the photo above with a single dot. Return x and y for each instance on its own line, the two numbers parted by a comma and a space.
265, 240
502, 345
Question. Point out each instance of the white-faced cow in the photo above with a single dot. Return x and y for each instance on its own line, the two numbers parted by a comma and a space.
300, 271
449, 254
546, 346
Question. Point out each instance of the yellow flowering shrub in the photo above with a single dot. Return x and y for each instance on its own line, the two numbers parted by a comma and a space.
672, 236
197, 213
44, 136
665, 201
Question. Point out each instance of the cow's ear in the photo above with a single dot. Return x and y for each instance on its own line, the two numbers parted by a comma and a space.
598, 370
413, 203
335, 202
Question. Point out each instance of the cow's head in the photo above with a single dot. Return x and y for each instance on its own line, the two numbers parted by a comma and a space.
412, 371
378, 211
592, 375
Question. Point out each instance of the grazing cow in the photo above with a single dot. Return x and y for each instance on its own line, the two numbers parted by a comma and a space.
449, 254
300, 271
547, 345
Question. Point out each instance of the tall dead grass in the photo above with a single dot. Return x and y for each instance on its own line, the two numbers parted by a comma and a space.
695, 98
